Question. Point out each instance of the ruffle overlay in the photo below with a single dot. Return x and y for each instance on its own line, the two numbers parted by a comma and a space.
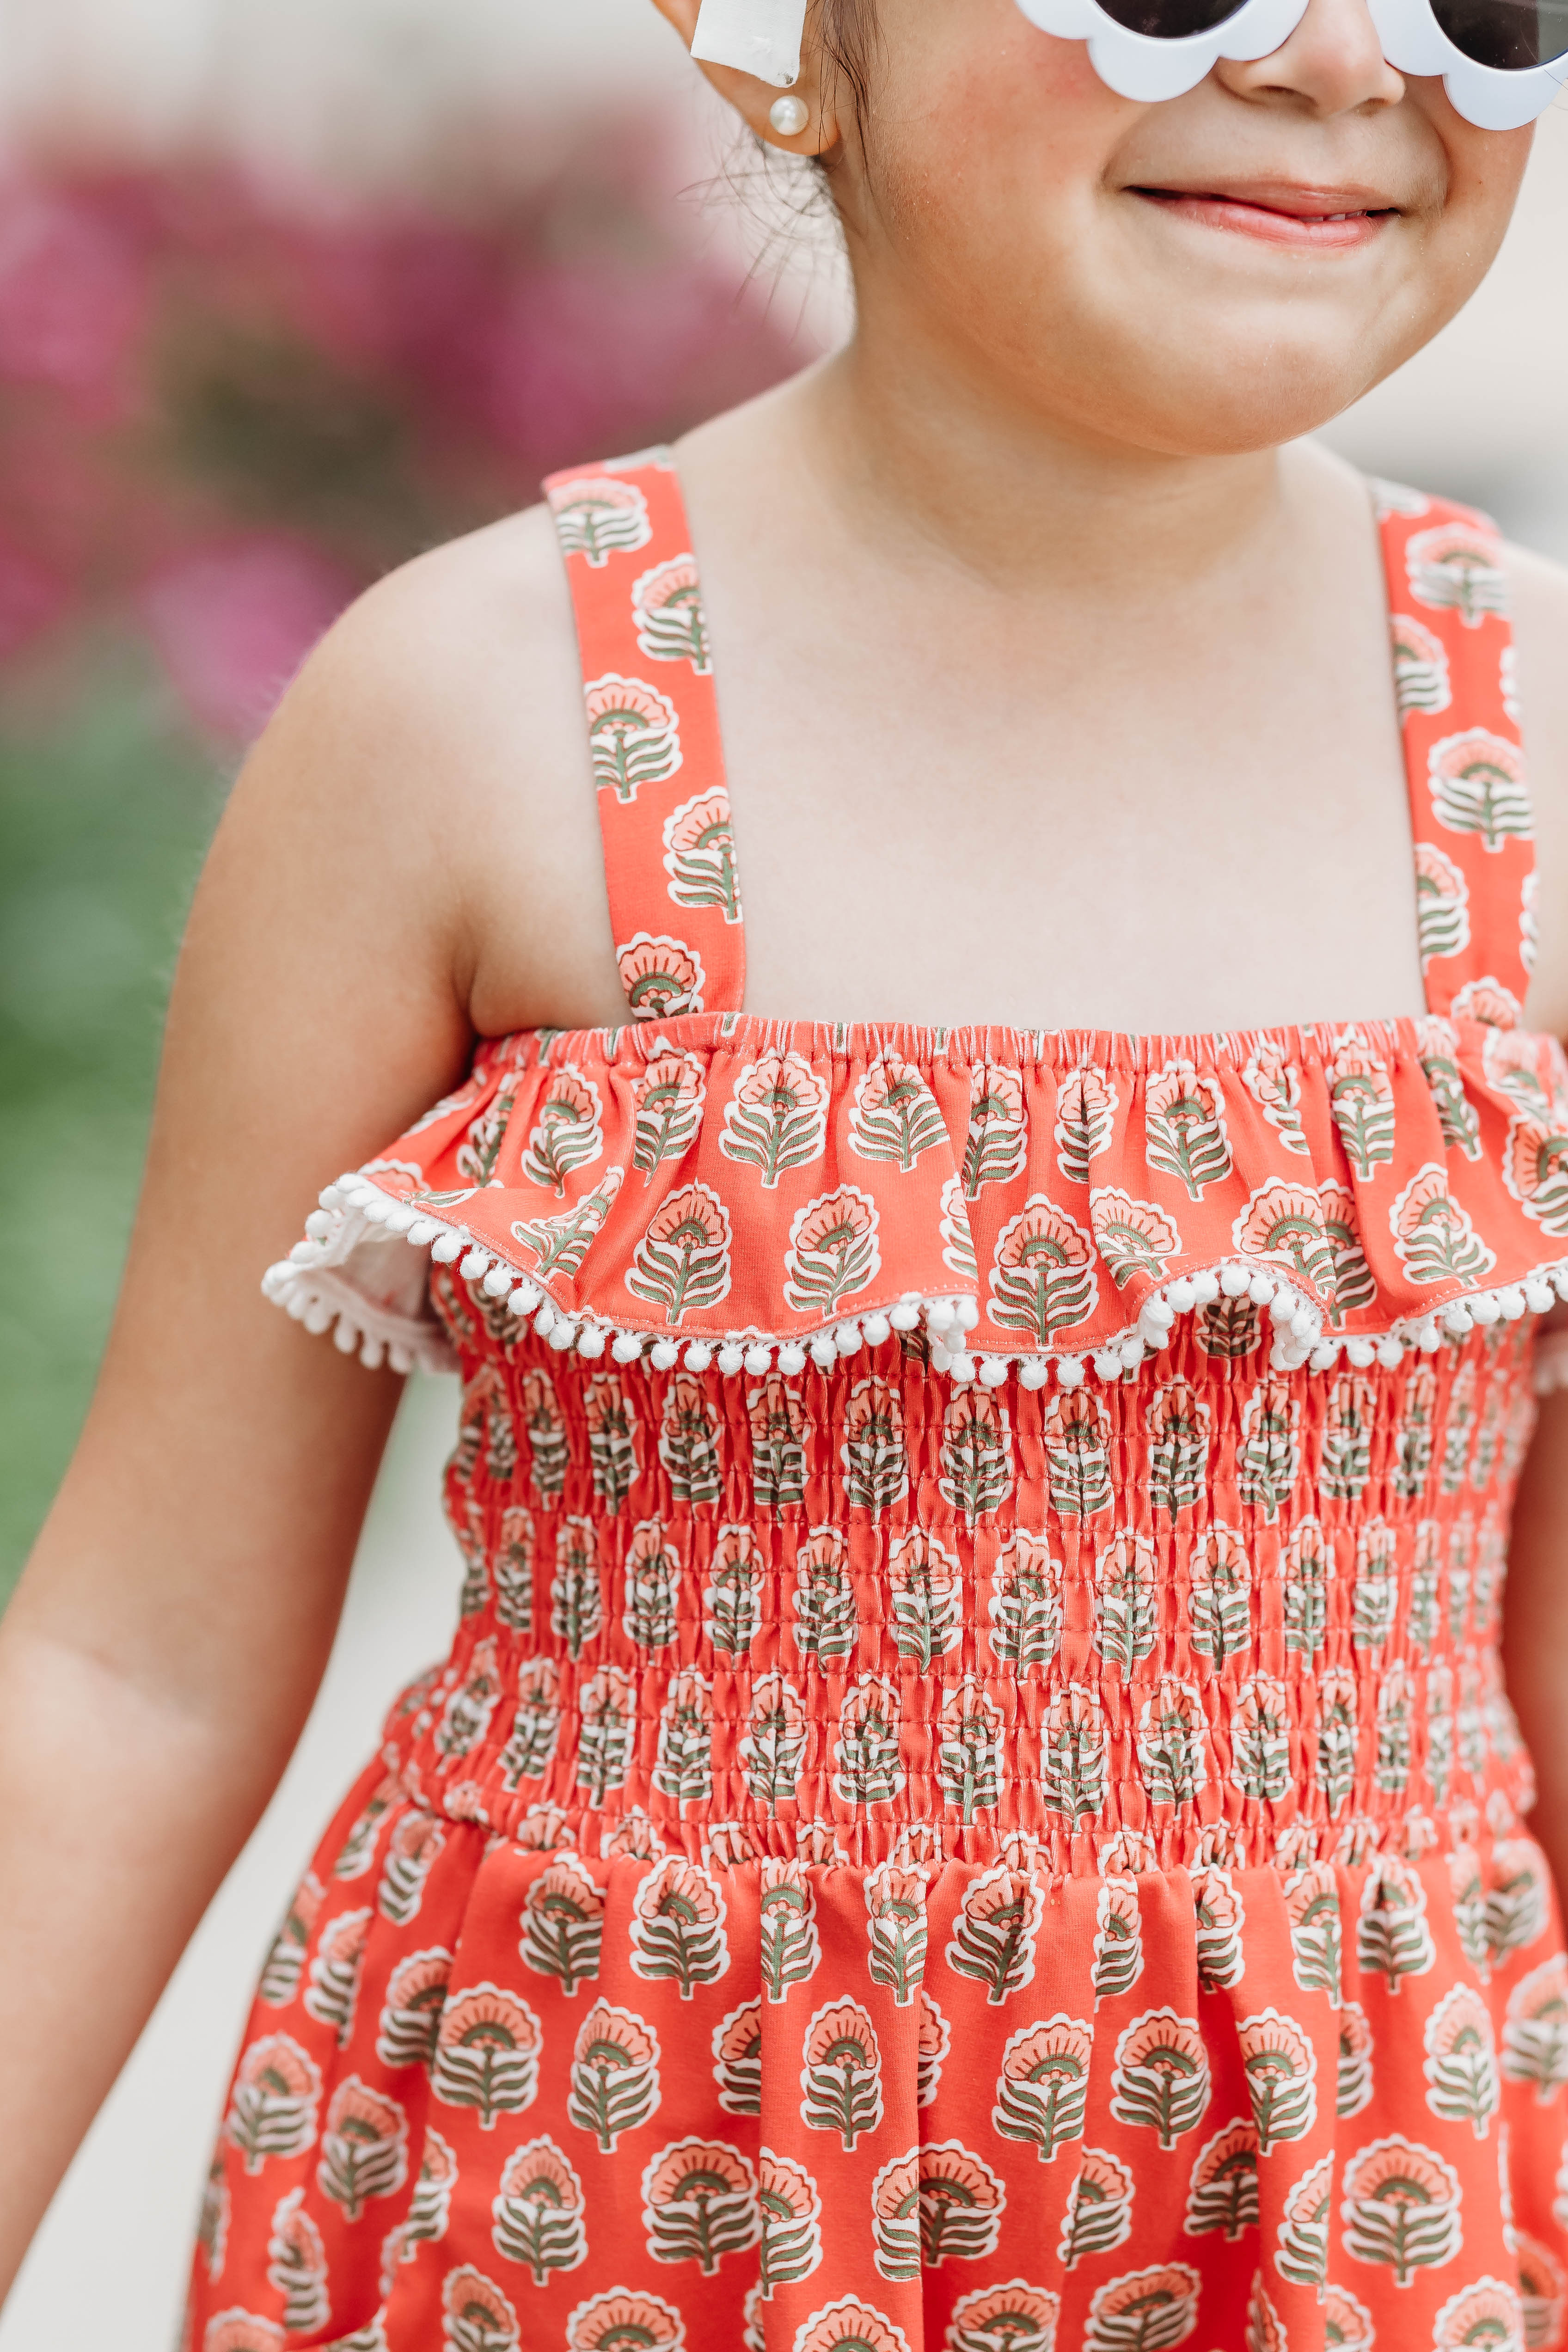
720, 1186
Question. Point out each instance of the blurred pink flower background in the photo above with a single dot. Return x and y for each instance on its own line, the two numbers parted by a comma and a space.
225, 409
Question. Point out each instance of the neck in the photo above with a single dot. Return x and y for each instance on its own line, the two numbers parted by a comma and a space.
912, 441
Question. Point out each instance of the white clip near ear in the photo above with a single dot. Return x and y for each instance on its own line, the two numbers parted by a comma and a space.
757, 37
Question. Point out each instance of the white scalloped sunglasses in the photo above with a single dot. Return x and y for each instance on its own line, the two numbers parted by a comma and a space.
1502, 61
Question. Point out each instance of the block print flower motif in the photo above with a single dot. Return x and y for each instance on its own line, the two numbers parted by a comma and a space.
961, 2202
1172, 1743
1074, 1751
1478, 786
699, 854
486, 2053
415, 1995
993, 1936
1353, 1287
332, 1993
976, 1453
825, 1625
1270, 1455
466, 1717
969, 1759
996, 1145
365, 2147
731, 1600
1086, 1105
1282, 1225
789, 1947
568, 1131
1456, 568
831, 1252
684, 1769
634, 734
606, 1728
1131, 1236
1362, 1098
1489, 1002
666, 1108
296, 2267
776, 1117
285, 1960
1117, 1955
476, 2315
700, 2203
1316, 1929
615, 2075
790, 2209
1160, 2082
1543, 2288
1442, 904
1126, 1594
597, 515
1420, 666
894, 1115
678, 1926
536, 1724
1401, 2207
1280, 2066
1394, 1939
1433, 1236
1099, 2216
1024, 1605
896, 1929
874, 1455
933, 2041
849, 2326
869, 1771
773, 1748
1489, 2312
1184, 1129
1157, 2305
1020, 2317
563, 1923
780, 1430
415, 1840
737, 2046
1461, 2068
896, 2218
1044, 2084
1535, 1166
544, 1426
241, 2331
1042, 1273
476, 1155
1221, 2196
1354, 2080
1274, 1082
667, 607
958, 1236
274, 2102
1535, 2029
662, 978
1219, 1600
539, 2211
682, 1264
1217, 1919
688, 1441
1180, 1423
609, 2323
841, 2073
1301, 2254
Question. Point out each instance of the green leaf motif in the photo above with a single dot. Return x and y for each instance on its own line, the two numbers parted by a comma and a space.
568, 1131
634, 735
1184, 1134
894, 1115
776, 1117
699, 854
683, 1261
996, 1144
668, 1106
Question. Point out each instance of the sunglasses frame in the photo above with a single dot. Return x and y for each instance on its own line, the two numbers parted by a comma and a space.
764, 36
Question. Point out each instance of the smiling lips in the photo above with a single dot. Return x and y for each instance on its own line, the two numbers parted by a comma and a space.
1316, 220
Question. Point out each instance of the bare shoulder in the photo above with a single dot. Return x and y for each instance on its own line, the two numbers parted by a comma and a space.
437, 731
1540, 638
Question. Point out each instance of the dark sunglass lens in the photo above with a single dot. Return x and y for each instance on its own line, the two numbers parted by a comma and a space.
1507, 34
1171, 20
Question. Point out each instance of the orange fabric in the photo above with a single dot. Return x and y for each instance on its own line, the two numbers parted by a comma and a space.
893, 1864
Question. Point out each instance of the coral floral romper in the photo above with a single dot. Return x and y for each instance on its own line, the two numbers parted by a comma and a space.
971, 1807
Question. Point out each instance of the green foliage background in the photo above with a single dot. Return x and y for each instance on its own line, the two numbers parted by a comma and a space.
106, 806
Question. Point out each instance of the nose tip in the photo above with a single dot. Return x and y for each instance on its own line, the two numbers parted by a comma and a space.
1332, 61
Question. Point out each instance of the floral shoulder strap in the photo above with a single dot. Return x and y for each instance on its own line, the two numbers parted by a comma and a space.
1469, 801
653, 727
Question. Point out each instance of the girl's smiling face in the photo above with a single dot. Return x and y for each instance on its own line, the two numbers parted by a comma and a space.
1218, 272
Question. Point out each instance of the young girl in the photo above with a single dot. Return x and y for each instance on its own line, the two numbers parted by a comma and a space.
973, 1802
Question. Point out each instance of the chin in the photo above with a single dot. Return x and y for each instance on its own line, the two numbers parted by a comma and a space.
1236, 397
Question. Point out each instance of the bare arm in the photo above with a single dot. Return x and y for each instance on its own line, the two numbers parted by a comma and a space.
162, 1650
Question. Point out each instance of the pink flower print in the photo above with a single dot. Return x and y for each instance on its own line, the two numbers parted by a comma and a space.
682, 1263
1420, 666
894, 1115
1362, 1099
1456, 569
609, 2323
1042, 1278
1274, 1082
634, 734
1442, 904
666, 605
666, 1102
999, 1136
831, 1252
699, 854
662, 977
1434, 1237
1131, 1236
1487, 1000
598, 515
776, 1117
1184, 1129
1478, 784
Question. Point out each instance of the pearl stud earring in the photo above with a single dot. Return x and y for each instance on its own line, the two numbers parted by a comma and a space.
789, 116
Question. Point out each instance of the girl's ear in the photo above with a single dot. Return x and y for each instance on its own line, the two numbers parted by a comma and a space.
754, 100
